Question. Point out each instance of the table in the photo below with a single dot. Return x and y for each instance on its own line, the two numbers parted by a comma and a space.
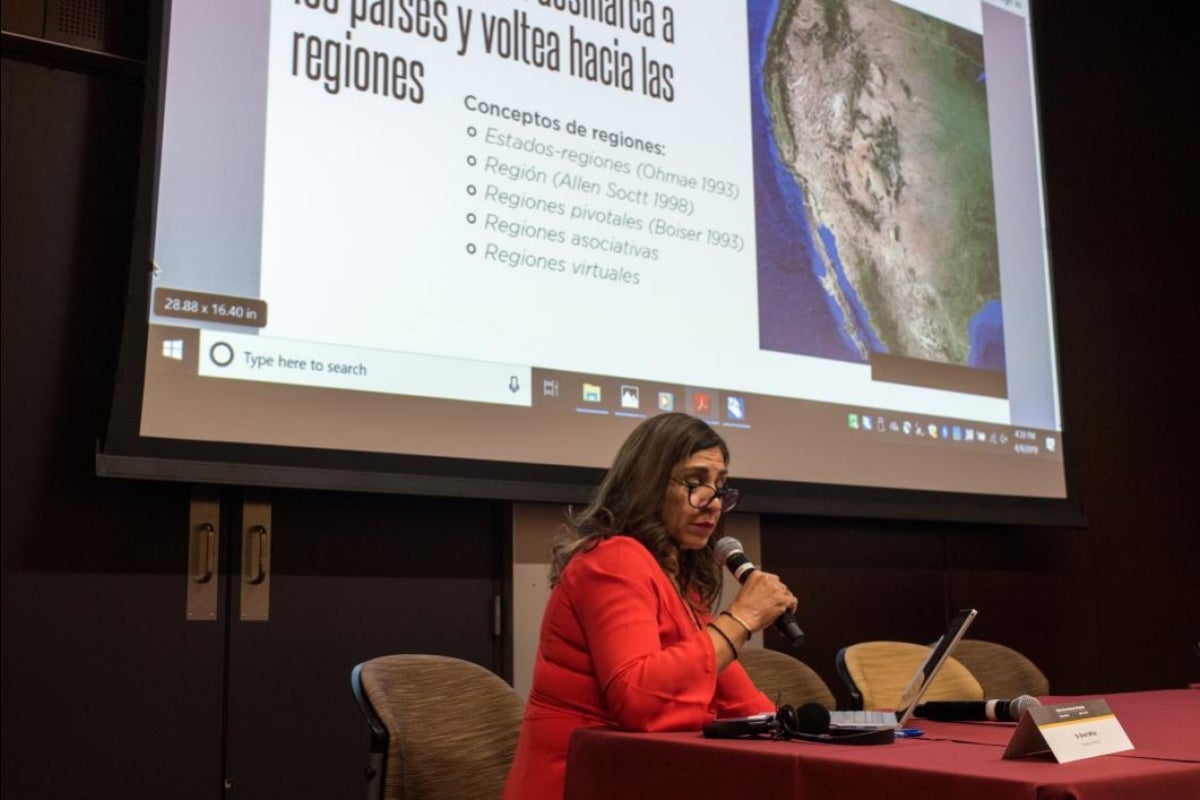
952, 760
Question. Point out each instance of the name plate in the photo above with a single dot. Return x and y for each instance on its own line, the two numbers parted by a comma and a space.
1069, 731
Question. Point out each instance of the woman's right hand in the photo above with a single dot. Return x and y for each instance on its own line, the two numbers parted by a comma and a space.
762, 598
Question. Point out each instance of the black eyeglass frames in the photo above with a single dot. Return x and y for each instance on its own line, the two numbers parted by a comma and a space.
701, 495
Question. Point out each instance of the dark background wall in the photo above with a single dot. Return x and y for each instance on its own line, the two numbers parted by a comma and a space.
108, 691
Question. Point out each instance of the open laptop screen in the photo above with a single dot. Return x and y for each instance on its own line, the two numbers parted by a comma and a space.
939, 653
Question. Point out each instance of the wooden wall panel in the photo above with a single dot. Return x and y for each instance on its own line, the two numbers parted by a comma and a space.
25, 17
856, 581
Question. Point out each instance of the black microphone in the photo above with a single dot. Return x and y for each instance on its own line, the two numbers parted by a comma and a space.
729, 552
976, 710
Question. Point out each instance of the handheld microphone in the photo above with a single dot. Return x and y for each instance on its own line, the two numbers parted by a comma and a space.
729, 552
976, 710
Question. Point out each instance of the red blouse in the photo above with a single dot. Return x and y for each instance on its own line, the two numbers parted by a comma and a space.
619, 649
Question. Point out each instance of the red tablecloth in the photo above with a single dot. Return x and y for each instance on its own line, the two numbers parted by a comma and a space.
1162, 725
954, 760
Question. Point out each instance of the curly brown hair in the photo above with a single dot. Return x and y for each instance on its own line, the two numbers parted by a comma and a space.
629, 502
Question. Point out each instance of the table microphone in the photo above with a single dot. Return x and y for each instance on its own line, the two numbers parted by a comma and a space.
729, 552
976, 710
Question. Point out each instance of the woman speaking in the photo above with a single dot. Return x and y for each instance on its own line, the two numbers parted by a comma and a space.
629, 639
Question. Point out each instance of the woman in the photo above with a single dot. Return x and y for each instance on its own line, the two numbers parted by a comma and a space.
628, 639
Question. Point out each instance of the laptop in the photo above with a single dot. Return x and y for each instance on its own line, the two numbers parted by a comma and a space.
939, 652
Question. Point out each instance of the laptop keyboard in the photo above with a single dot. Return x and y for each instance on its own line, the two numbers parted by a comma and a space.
866, 719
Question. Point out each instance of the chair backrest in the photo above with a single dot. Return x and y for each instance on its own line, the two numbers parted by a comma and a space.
877, 673
441, 728
1001, 671
785, 679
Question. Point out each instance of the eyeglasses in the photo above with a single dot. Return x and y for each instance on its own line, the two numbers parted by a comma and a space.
701, 495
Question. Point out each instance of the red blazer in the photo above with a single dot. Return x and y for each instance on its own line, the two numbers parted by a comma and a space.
619, 649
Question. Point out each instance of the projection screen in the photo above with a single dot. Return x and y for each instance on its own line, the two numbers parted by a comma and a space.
420, 245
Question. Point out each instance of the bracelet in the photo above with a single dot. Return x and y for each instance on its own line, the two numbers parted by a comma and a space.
739, 621
725, 636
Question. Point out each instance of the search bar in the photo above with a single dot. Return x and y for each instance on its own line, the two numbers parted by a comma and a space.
242, 357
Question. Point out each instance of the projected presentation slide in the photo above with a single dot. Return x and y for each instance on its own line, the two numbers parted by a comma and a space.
819, 225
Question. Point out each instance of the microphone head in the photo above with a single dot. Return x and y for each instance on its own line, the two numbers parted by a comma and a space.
1018, 707
726, 546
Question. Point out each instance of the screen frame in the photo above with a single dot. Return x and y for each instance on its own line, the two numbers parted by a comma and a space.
121, 452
